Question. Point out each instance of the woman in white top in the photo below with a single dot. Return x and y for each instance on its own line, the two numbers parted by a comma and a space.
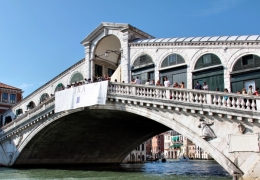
166, 82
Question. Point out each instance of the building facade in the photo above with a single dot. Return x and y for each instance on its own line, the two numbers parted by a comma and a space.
172, 144
9, 96
176, 145
138, 155
158, 146
218, 60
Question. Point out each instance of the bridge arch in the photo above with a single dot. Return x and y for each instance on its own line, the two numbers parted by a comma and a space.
247, 64
169, 120
202, 52
237, 56
76, 77
44, 97
209, 68
30, 105
170, 52
174, 67
143, 68
59, 87
106, 53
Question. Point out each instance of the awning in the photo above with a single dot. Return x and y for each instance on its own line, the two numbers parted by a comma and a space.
177, 145
59, 87
175, 138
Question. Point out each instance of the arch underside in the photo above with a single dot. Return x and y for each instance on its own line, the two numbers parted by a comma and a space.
89, 136
106, 134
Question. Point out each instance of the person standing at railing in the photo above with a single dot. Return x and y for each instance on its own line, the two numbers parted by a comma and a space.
250, 91
158, 83
147, 82
226, 91
198, 85
137, 81
205, 86
175, 85
182, 85
256, 93
152, 83
166, 82
244, 91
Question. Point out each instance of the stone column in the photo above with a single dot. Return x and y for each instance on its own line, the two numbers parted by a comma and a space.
125, 58
88, 60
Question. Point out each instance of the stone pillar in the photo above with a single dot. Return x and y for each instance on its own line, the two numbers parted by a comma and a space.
125, 58
88, 61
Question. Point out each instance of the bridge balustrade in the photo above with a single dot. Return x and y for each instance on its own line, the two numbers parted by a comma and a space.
220, 99
30, 114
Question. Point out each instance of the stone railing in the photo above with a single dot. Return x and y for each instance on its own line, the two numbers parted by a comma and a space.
220, 99
29, 114
37, 91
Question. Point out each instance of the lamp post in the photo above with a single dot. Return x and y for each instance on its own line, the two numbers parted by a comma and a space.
118, 52
107, 52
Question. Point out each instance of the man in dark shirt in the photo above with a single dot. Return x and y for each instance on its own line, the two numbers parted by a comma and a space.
197, 86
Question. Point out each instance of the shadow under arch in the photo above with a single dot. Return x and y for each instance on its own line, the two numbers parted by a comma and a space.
87, 137
105, 134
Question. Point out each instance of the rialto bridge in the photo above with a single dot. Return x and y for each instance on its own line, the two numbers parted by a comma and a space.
135, 113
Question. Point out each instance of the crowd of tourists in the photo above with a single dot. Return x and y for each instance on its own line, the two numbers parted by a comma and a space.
165, 83
197, 86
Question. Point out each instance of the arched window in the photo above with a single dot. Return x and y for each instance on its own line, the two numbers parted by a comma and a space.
76, 77
18, 112
172, 60
142, 61
31, 105
143, 68
59, 87
44, 97
247, 62
207, 60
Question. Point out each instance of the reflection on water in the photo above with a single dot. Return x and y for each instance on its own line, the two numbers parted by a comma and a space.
174, 170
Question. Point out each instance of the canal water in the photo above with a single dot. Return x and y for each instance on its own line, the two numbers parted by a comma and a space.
173, 170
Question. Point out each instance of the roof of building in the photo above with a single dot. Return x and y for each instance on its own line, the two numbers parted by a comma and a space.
200, 39
121, 26
2, 85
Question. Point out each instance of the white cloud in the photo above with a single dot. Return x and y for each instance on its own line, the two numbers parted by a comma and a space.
25, 86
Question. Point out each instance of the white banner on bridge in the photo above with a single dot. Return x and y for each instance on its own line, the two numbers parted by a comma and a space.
81, 96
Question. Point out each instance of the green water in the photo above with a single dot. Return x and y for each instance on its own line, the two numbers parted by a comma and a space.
174, 170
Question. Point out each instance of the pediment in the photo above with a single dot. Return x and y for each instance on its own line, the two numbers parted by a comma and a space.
122, 27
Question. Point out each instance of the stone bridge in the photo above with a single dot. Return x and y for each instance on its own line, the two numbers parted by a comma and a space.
133, 114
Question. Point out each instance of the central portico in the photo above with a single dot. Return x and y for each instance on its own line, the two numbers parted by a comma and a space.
107, 47
131, 53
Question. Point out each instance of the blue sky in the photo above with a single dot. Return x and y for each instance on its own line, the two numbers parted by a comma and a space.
41, 38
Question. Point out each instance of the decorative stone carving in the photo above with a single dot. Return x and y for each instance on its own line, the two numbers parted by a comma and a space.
206, 131
241, 128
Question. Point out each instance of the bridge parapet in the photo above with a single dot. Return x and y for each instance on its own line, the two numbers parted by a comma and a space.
241, 107
176, 108
197, 101
25, 119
